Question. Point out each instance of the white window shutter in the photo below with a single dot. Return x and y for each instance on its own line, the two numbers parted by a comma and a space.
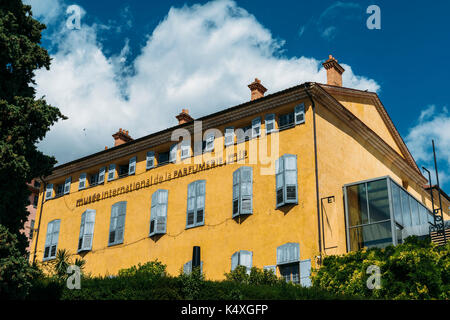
200, 202
185, 148
101, 175
270, 122
117, 224
209, 142
158, 215
150, 163
279, 182
55, 236
48, 240
191, 204
300, 114
187, 267
246, 190
173, 153
305, 273
111, 171
256, 127
132, 166
229, 136
121, 221
81, 237
246, 259
88, 229
67, 185
49, 191
234, 260
82, 181
290, 179
236, 192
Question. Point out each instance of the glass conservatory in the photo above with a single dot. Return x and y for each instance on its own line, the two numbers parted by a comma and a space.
379, 212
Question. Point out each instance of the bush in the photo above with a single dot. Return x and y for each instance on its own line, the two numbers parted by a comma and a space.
416, 269
16, 274
255, 277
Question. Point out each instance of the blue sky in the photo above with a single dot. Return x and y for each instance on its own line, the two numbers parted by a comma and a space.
143, 57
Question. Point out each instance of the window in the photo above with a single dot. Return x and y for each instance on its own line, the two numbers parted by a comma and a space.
244, 134
242, 191
82, 181
286, 121
196, 204
86, 230
158, 212
163, 158
67, 185
286, 180
187, 267
132, 166
117, 225
270, 123
229, 136
93, 180
291, 268
209, 143
288, 253
185, 149
290, 272
242, 258
111, 172
30, 236
256, 127
51, 240
127, 169
59, 190
49, 191
300, 114
97, 178
173, 153
150, 163
35, 200
305, 273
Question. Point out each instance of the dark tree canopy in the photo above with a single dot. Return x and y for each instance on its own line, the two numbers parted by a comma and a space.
24, 120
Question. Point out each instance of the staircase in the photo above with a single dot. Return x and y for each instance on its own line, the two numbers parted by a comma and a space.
438, 238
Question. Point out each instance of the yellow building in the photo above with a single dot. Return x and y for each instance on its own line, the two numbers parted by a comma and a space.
277, 182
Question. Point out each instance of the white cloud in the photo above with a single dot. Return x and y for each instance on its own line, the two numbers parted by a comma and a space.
435, 125
199, 57
47, 11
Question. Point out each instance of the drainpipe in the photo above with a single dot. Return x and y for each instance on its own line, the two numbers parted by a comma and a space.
40, 218
313, 107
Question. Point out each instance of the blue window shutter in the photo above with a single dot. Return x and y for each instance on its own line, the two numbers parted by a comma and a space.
48, 240
117, 224
246, 190
101, 175
121, 221
81, 237
290, 179
111, 172
153, 213
187, 267
300, 114
150, 163
209, 143
256, 127
54, 238
89, 223
67, 185
234, 260
132, 166
49, 191
229, 136
185, 148
158, 215
305, 273
173, 153
279, 182
236, 192
246, 259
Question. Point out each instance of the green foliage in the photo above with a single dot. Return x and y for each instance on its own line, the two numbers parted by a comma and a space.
416, 269
150, 282
16, 274
255, 277
24, 120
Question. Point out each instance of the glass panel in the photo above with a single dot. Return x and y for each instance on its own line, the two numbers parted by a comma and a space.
375, 235
357, 204
378, 200
191, 204
291, 163
291, 177
405, 208
397, 207
200, 202
279, 181
414, 211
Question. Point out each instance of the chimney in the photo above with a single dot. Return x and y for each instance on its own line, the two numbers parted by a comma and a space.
257, 89
121, 137
334, 71
184, 117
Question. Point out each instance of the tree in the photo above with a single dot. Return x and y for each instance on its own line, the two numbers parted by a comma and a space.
24, 120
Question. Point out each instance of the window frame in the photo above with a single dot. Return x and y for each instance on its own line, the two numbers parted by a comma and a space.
121, 211
196, 209
53, 223
154, 206
84, 231
238, 196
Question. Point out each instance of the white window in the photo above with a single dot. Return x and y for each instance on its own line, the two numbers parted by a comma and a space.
158, 212
242, 191
117, 225
86, 230
270, 123
242, 258
300, 114
49, 191
286, 180
187, 267
67, 185
150, 160
185, 149
51, 240
101, 175
111, 171
256, 127
132, 166
82, 181
209, 143
196, 204
229, 136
